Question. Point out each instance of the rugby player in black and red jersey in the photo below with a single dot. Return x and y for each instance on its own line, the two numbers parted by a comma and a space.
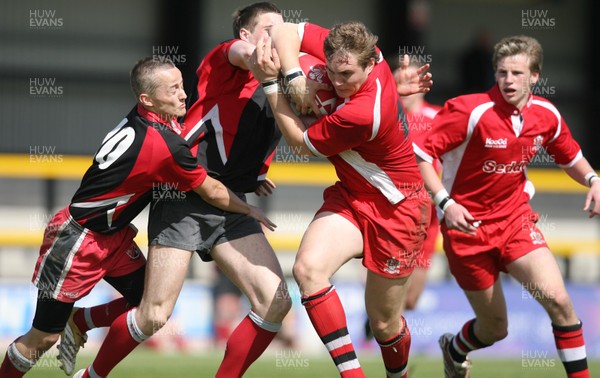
92, 238
232, 129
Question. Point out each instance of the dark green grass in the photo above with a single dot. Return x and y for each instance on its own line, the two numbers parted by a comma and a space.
145, 363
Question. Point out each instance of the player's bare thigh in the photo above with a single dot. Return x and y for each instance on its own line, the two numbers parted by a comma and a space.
328, 243
166, 270
251, 264
539, 274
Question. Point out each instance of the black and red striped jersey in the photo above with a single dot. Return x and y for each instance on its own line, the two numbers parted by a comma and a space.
230, 125
143, 153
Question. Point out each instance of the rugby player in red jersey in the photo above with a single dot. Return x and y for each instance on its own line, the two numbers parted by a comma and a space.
379, 210
485, 142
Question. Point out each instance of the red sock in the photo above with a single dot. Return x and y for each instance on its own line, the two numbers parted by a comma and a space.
571, 349
122, 338
327, 316
395, 353
14, 365
247, 342
100, 316
8, 370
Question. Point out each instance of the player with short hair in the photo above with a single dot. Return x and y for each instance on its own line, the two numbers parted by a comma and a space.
232, 129
486, 141
379, 210
92, 238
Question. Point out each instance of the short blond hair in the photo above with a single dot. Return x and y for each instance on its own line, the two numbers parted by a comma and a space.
520, 44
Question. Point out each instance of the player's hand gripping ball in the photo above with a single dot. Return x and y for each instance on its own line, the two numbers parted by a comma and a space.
314, 69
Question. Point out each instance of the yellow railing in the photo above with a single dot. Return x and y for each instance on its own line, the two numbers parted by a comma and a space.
322, 173
312, 174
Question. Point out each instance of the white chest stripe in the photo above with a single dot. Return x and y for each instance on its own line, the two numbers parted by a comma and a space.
453, 158
556, 113
373, 174
376, 111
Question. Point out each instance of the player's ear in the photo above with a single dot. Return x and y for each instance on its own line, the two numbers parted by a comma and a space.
533, 79
245, 34
145, 100
370, 65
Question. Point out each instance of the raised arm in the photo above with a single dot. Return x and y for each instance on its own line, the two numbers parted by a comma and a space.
410, 82
286, 40
239, 53
302, 91
265, 67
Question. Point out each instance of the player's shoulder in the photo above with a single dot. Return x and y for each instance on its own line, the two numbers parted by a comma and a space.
309, 27
168, 134
220, 51
544, 109
467, 103
474, 99
133, 122
544, 103
163, 138
359, 111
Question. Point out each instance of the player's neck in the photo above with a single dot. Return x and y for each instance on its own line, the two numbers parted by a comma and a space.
153, 116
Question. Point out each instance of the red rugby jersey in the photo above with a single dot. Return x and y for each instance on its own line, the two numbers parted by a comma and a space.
485, 145
365, 138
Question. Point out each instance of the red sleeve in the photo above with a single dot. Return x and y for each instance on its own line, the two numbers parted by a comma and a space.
226, 46
448, 131
176, 164
348, 127
563, 147
312, 37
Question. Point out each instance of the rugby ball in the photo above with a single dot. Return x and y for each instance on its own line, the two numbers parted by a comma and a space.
314, 69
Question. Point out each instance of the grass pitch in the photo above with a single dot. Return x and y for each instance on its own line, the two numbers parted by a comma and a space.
145, 363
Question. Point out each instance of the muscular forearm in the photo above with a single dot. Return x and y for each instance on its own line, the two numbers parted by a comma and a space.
289, 123
218, 195
287, 43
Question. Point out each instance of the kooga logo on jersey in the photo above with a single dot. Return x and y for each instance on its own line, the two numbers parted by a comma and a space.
496, 143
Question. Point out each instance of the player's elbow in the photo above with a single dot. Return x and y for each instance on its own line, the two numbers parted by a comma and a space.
211, 190
213, 194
